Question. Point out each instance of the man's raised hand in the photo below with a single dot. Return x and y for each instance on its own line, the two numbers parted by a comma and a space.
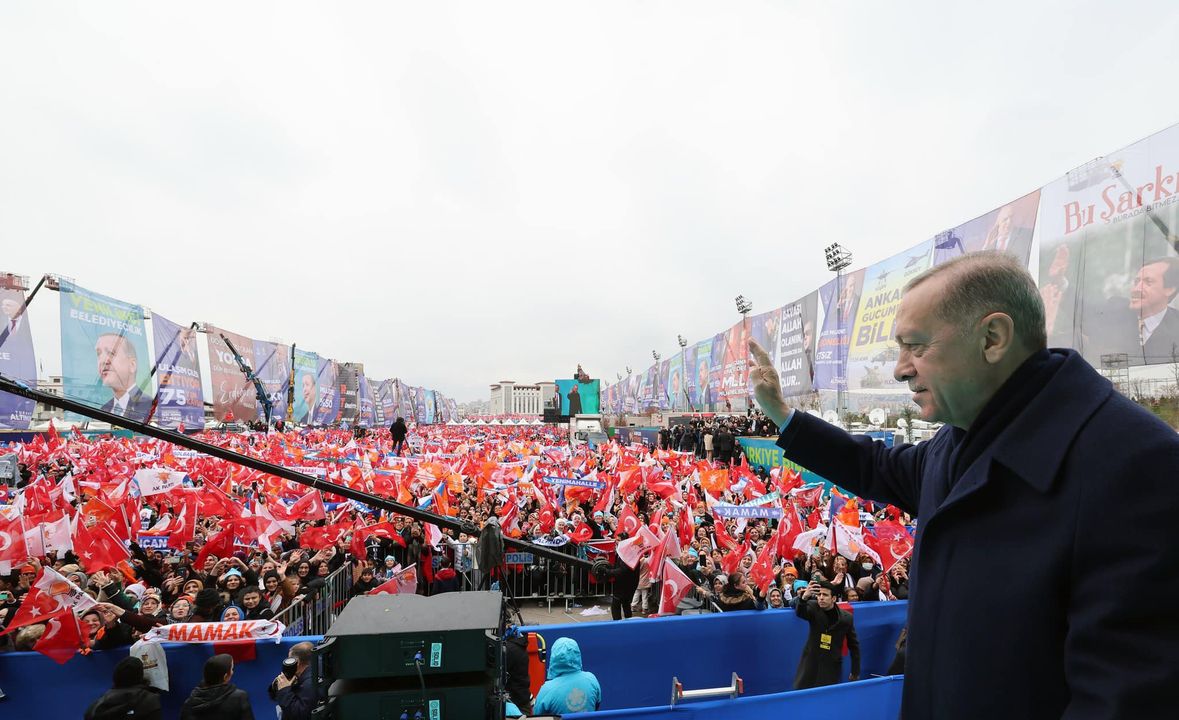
767, 389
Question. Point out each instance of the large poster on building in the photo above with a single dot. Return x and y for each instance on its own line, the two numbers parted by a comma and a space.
104, 356
765, 329
662, 394
1109, 255
716, 372
348, 380
690, 391
387, 400
676, 398
306, 387
232, 391
873, 351
794, 351
178, 375
1007, 229
367, 401
273, 371
736, 371
17, 359
327, 408
702, 375
839, 299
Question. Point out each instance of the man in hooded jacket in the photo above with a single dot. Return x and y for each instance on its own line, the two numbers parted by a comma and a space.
129, 696
568, 689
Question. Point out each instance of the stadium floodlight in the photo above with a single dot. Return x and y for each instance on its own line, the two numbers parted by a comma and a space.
680, 339
656, 355
837, 256
744, 305
628, 369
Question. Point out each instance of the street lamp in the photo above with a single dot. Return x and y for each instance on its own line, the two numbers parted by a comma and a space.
744, 306
838, 259
684, 372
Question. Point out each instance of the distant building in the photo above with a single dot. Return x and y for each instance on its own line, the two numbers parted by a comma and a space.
42, 412
511, 398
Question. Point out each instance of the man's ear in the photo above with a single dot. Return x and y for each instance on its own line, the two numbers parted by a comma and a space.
998, 336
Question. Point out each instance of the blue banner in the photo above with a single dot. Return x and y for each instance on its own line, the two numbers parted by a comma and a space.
327, 407
766, 453
576, 482
104, 357
747, 511
154, 542
17, 360
272, 368
178, 370
306, 387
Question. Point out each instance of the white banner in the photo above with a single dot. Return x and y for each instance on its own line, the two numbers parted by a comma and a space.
240, 631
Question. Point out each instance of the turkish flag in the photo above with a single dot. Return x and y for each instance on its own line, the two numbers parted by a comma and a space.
676, 586
631, 550
403, 582
628, 522
891, 542
98, 547
308, 507
12, 542
50, 593
582, 533
62, 637
220, 545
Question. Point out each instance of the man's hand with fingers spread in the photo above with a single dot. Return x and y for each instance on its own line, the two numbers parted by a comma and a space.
767, 389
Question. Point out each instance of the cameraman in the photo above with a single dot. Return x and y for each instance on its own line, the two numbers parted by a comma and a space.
296, 695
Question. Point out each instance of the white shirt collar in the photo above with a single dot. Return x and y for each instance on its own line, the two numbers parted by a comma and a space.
1150, 323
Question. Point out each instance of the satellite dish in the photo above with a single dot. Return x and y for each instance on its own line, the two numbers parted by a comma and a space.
877, 416
902, 423
832, 417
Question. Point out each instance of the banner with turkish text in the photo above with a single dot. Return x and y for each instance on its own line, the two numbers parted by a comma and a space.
180, 399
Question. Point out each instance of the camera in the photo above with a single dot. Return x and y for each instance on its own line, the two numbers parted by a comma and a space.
289, 665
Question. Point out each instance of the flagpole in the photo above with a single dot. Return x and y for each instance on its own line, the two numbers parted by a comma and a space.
17, 388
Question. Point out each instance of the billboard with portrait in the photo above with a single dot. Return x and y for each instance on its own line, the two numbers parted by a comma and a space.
676, 397
327, 407
17, 359
232, 391
272, 369
1109, 255
578, 398
306, 387
178, 373
104, 356
839, 298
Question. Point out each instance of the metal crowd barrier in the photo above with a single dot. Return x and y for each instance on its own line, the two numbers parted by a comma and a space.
314, 614
528, 577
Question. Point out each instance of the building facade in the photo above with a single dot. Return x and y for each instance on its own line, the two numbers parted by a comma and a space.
511, 398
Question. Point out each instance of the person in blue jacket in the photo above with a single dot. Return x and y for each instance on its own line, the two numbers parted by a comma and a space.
1043, 474
568, 689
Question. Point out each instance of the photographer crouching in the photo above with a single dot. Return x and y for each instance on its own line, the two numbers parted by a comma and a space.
292, 689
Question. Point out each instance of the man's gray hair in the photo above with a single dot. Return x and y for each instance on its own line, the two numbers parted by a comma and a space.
981, 283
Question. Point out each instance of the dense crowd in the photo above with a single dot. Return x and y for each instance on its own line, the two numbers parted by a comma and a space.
226, 543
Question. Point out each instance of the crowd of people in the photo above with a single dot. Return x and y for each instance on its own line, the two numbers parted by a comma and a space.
228, 544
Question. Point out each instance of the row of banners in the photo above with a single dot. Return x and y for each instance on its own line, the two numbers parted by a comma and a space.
115, 359
1102, 240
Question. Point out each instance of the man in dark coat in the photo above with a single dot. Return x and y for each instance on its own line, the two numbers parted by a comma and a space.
822, 655
130, 696
398, 431
1043, 474
216, 698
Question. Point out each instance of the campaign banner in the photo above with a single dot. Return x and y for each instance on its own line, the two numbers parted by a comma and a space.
1109, 255
699, 373
716, 372
576, 482
348, 379
795, 345
1008, 229
233, 393
306, 387
873, 351
387, 400
104, 356
180, 399
746, 511
17, 359
736, 371
272, 368
689, 388
217, 632
765, 452
428, 406
839, 303
327, 407
153, 542
662, 394
367, 400
308, 470
404, 401
677, 398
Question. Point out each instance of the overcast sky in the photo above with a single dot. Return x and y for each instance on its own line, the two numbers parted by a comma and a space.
458, 193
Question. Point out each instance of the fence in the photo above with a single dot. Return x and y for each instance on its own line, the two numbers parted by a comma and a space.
313, 615
532, 578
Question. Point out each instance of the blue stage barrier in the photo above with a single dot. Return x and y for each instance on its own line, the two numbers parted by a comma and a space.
876, 699
635, 660
39, 688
